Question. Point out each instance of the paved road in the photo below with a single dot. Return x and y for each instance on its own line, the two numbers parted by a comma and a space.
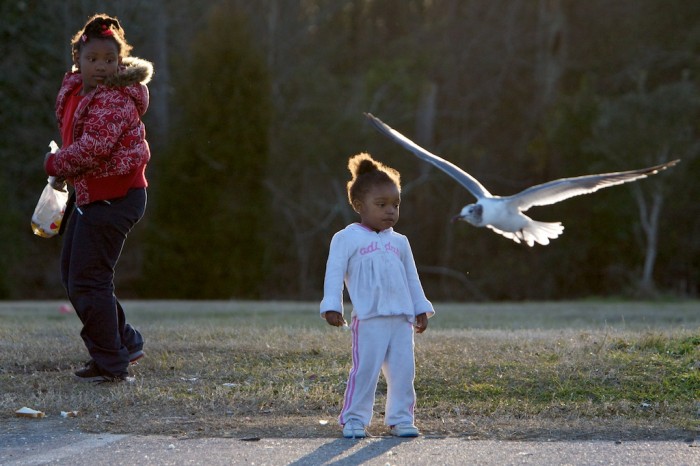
35, 442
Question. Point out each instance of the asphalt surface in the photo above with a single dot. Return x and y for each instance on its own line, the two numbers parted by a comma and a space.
54, 441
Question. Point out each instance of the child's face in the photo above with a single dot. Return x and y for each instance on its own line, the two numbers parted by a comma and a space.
379, 209
98, 59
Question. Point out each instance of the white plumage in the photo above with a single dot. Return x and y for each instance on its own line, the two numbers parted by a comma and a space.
504, 215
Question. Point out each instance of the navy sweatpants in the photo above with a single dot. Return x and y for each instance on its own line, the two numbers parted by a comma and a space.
92, 244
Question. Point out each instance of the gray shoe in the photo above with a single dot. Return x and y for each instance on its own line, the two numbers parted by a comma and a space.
135, 356
354, 429
405, 429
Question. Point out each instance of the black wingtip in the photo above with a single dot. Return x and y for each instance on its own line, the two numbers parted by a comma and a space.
376, 122
372, 119
664, 166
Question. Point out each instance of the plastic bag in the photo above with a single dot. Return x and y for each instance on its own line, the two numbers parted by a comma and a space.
48, 214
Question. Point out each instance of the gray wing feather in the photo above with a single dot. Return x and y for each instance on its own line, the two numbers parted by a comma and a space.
564, 188
462, 177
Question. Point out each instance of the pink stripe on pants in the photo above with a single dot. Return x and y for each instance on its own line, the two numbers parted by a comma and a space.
381, 344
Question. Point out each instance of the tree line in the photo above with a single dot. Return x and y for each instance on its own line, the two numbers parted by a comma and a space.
256, 107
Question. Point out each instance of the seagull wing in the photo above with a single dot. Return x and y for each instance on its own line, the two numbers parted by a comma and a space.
462, 177
564, 188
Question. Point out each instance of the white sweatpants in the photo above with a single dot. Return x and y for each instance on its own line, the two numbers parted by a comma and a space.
386, 344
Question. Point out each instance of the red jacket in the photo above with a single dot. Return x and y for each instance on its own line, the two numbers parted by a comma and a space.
109, 152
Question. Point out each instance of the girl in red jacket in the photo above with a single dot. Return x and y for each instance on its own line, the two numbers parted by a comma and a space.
103, 156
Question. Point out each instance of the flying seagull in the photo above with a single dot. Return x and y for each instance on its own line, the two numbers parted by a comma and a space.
504, 215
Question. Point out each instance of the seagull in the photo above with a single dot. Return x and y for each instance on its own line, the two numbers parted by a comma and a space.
504, 215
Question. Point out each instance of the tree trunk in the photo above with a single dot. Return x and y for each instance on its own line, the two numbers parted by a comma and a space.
649, 216
550, 52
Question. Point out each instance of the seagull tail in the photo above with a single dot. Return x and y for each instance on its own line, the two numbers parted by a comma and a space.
539, 232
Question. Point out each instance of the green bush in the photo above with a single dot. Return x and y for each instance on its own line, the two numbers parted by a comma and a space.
210, 202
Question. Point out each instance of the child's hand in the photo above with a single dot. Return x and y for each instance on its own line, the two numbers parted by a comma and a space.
57, 183
421, 323
335, 319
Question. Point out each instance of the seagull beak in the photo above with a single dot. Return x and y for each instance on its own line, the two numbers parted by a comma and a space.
457, 218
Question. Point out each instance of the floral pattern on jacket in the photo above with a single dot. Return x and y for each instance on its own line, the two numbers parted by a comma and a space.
109, 138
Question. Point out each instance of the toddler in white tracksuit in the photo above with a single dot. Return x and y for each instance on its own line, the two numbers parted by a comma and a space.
376, 265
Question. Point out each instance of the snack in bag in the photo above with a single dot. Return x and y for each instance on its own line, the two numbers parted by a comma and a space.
49, 211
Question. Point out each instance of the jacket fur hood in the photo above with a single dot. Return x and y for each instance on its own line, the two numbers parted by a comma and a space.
133, 70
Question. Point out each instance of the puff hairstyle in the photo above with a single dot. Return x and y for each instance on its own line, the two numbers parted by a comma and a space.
366, 173
96, 27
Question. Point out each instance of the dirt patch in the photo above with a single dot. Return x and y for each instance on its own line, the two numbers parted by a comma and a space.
492, 428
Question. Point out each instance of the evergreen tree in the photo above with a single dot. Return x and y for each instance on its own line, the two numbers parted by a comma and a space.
210, 203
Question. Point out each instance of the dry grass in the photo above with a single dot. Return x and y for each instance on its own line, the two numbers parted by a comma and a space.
506, 371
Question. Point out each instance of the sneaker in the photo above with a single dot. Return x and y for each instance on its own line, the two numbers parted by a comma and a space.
135, 356
92, 373
405, 429
354, 429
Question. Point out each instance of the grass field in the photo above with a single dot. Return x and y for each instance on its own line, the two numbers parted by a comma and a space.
564, 370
